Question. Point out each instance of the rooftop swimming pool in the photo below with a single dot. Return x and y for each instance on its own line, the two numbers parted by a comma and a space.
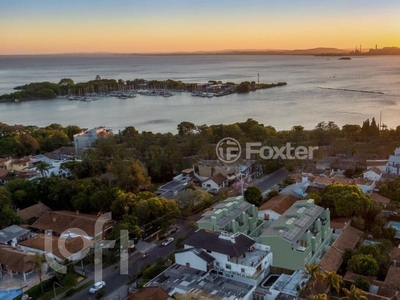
9, 294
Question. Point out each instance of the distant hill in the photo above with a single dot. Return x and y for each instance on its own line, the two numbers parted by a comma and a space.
313, 51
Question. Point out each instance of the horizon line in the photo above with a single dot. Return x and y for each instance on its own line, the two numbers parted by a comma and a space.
186, 52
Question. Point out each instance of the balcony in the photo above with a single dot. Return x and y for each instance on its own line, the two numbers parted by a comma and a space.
251, 258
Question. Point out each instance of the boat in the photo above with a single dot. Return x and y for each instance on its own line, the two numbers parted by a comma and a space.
345, 58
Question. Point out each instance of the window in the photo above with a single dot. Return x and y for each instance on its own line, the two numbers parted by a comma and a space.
228, 266
242, 270
217, 264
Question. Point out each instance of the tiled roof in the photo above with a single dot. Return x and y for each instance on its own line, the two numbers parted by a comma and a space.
379, 198
395, 254
211, 241
60, 221
393, 277
72, 245
340, 222
373, 169
376, 163
362, 181
34, 211
333, 258
218, 179
279, 203
17, 260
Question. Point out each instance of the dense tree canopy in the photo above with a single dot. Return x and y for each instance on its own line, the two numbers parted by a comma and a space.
345, 200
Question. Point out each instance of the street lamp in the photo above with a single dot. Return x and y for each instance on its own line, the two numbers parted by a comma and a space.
54, 288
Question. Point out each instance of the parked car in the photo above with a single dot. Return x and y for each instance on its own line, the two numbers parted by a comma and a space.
97, 287
168, 241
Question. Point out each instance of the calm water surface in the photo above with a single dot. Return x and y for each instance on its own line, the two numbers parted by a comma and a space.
304, 101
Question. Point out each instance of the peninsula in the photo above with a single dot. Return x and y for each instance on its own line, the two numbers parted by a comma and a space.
85, 91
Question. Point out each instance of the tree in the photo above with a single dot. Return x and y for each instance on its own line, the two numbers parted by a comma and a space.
362, 284
345, 200
38, 265
334, 280
363, 264
243, 87
354, 294
315, 273
42, 168
185, 128
66, 81
46, 94
253, 195
318, 297
7, 214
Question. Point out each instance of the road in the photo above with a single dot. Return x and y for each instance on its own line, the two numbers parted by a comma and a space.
267, 182
116, 281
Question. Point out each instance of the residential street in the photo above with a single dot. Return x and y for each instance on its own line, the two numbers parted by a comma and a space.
116, 283
267, 182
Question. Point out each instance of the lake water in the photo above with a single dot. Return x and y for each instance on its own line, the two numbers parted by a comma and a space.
304, 101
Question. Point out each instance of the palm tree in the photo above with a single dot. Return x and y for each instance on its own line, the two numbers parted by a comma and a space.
318, 297
38, 262
354, 294
190, 186
42, 168
334, 280
315, 273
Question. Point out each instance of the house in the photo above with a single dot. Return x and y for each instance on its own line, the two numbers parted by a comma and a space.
392, 278
62, 153
234, 256
72, 224
373, 174
149, 293
33, 212
299, 236
276, 206
181, 280
72, 248
14, 262
14, 234
367, 186
393, 164
179, 183
19, 164
54, 167
380, 164
195, 258
379, 199
338, 224
333, 258
282, 286
233, 215
208, 169
86, 139
216, 182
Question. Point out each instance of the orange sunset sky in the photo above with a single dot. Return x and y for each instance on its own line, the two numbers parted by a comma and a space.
53, 26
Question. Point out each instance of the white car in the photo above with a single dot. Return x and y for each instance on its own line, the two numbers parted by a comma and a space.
168, 241
97, 287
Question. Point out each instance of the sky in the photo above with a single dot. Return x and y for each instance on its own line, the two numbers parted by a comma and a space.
139, 26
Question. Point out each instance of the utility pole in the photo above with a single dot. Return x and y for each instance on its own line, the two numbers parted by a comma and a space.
258, 80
